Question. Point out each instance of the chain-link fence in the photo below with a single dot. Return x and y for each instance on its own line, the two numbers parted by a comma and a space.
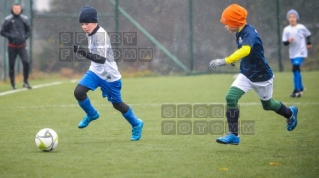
187, 31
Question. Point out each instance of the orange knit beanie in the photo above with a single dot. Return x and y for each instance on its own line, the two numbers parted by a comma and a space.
234, 16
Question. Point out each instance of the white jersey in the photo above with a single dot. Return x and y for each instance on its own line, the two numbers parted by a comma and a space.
99, 43
298, 47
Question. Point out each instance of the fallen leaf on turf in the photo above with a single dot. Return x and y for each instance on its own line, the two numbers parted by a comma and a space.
223, 169
274, 163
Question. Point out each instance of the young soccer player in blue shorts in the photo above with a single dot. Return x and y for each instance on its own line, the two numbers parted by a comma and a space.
297, 36
255, 73
103, 73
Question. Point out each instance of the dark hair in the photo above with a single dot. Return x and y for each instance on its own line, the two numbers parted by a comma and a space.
16, 4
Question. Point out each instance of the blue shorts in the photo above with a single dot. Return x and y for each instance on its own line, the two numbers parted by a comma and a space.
111, 90
297, 61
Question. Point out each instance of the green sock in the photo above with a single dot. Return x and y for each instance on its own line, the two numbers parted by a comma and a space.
271, 104
232, 97
232, 112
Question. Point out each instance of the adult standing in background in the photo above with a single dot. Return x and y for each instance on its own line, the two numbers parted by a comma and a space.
16, 28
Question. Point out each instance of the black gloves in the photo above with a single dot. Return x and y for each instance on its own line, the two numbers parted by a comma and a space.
93, 57
80, 50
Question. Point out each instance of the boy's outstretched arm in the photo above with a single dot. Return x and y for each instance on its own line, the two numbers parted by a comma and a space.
93, 57
237, 55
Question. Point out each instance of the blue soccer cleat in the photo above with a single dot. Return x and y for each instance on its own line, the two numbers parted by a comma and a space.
292, 122
137, 131
230, 138
86, 120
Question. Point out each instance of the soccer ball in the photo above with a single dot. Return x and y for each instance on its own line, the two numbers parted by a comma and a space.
46, 139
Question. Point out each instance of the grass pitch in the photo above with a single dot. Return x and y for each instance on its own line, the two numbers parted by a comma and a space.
104, 149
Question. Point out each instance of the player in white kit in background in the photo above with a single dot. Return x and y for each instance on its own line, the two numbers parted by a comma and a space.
297, 36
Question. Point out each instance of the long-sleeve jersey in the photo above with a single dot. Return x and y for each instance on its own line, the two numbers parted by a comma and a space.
99, 43
16, 29
251, 52
297, 48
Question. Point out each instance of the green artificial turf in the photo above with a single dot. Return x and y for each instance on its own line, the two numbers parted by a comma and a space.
104, 149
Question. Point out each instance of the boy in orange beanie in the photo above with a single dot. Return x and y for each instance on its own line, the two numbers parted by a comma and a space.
255, 73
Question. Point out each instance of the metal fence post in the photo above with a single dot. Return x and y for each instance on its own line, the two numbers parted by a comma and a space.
30, 39
191, 47
5, 69
279, 37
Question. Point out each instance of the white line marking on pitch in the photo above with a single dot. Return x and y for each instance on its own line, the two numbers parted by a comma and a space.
74, 80
12, 91
147, 104
47, 84
34, 87
153, 104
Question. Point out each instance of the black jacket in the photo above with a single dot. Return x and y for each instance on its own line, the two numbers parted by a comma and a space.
16, 29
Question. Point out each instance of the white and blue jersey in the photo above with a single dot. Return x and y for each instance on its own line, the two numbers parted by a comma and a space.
106, 76
297, 48
99, 43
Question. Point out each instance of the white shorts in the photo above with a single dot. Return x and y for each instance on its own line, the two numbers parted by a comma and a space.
263, 89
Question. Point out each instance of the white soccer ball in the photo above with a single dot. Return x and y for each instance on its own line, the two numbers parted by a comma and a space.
46, 139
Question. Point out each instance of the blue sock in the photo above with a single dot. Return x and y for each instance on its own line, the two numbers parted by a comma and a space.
87, 107
300, 82
296, 80
131, 118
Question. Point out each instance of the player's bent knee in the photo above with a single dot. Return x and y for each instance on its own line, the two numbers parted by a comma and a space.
122, 107
295, 68
233, 96
270, 105
80, 93
266, 106
231, 100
